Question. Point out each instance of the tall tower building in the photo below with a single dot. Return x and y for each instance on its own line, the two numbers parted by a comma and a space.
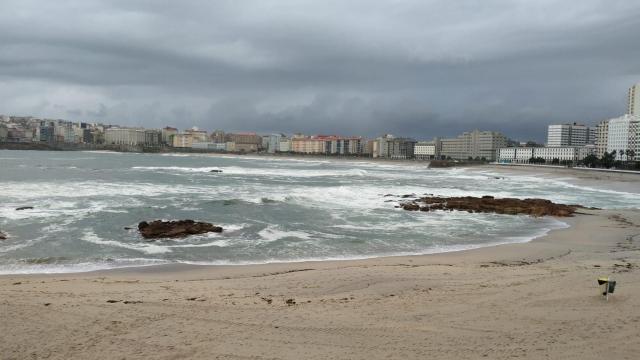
634, 100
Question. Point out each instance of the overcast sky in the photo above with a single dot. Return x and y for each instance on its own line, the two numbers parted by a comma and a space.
415, 68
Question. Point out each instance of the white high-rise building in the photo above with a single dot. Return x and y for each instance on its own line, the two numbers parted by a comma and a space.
623, 136
634, 100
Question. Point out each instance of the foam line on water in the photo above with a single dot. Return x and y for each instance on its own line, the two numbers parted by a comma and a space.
147, 248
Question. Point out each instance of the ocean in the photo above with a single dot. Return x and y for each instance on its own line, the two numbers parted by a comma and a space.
272, 209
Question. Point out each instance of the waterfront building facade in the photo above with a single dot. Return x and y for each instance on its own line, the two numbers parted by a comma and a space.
167, 134
570, 135
424, 150
197, 135
602, 135
184, 140
284, 145
124, 136
623, 137
273, 143
245, 142
475, 145
327, 144
307, 145
523, 155
217, 136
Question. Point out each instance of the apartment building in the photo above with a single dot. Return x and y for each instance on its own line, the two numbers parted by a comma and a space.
426, 150
474, 144
184, 140
570, 135
623, 135
602, 134
197, 135
522, 155
245, 142
167, 134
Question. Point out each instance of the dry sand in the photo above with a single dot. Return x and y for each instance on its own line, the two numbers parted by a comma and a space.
535, 300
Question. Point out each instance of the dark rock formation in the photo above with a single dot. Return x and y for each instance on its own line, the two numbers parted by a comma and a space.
216, 171
489, 204
24, 208
411, 206
175, 229
3, 236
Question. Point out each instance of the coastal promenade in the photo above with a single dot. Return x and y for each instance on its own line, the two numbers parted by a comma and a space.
533, 300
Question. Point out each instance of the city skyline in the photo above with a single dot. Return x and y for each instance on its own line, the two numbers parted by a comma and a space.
408, 68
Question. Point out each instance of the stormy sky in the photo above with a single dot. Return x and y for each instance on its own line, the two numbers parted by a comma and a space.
417, 68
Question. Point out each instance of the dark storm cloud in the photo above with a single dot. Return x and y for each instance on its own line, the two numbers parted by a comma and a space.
418, 68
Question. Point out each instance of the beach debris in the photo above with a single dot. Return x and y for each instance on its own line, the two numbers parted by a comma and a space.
607, 286
17, 283
24, 208
47, 304
267, 300
113, 301
489, 204
132, 302
290, 302
175, 229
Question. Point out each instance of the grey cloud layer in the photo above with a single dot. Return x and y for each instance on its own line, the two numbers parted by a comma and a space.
420, 68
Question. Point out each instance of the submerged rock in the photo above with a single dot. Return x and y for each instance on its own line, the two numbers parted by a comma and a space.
175, 229
24, 208
489, 204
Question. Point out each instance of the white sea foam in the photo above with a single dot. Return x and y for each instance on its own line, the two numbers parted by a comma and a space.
273, 172
274, 233
147, 248
5, 248
86, 266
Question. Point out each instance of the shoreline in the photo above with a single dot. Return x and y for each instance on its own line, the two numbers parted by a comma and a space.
563, 224
531, 300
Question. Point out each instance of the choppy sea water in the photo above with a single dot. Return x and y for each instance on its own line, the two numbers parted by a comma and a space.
271, 209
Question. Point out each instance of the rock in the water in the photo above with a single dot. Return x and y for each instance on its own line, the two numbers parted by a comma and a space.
3, 236
24, 208
216, 171
411, 206
175, 229
489, 204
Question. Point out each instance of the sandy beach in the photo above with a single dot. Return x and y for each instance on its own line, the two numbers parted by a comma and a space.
533, 300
